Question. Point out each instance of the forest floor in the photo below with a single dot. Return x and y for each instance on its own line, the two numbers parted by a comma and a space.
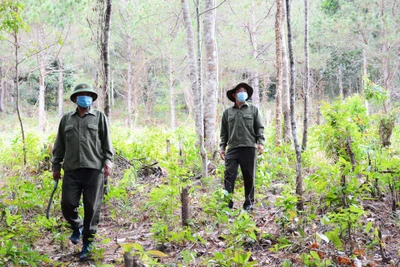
358, 251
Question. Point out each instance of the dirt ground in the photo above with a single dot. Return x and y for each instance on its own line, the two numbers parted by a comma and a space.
265, 216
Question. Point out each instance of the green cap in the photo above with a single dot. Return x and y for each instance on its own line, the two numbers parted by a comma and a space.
83, 88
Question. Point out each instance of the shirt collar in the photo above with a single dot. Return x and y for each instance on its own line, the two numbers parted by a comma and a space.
244, 104
90, 111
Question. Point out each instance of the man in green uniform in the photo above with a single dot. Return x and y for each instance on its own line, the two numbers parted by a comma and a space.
243, 133
84, 148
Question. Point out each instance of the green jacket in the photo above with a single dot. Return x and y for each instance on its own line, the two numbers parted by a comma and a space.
241, 127
83, 142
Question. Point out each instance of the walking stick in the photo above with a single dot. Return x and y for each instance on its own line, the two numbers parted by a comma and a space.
51, 198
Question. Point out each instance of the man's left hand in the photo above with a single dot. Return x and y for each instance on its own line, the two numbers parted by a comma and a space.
107, 170
260, 149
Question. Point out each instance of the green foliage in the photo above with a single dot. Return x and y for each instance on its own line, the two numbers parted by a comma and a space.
330, 7
349, 63
374, 92
312, 259
346, 122
145, 256
231, 257
288, 205
11, 19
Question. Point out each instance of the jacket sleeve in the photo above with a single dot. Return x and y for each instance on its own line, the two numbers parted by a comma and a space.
59, 147
224, 131
258, 127
106, 145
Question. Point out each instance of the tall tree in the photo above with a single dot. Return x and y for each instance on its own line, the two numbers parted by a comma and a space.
194, 81
279, 66
211, 76
60, 88
299, 178
12, 23
287, 130
307, 77
2, 89
171, 81
105, 17
252, 28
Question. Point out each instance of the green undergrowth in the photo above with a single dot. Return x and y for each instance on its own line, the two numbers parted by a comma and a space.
344, 166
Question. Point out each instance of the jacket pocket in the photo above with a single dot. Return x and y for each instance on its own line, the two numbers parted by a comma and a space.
68, 132
92, 137
92, 131
248, 121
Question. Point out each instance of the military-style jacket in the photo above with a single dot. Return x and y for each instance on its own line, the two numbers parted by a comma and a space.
241, 127
83, 142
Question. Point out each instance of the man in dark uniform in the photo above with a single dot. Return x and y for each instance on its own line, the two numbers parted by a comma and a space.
243, 133
84, 148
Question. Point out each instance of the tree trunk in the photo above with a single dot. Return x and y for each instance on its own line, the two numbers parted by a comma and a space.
42, 89
16, 81
60, 88
279, 67
195, 83
211, 82
254, 74
299, 178
365, 75
203, 153
287, 131
307, 78
171, 93
129, 82
340, 81
185, 206
386, 126
2, 90
105, 56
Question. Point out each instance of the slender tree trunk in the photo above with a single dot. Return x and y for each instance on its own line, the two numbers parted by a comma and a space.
16, 44
299, 178
254, 74
365, 75
211, 82
307, 78
42, 91
60, 88
279, 67
203, 152
171, 93
185, 206
350, 89
340, 81
2, 90
287, 131
195, 82
129, 82
105, 55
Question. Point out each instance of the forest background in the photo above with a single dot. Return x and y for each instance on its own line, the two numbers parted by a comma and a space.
327, 73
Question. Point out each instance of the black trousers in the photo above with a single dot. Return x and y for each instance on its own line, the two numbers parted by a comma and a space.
90, 183
246, 158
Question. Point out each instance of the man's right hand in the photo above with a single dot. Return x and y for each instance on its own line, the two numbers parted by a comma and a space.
222, 154
56, 175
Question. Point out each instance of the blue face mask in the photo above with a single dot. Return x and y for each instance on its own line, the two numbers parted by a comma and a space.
84, 101
242, 96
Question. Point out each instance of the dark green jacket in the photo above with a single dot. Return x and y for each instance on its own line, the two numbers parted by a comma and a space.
83, 142
241, 127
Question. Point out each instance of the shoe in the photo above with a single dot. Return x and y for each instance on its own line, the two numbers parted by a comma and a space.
76, 235
248, 207
85, 251
230, 204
